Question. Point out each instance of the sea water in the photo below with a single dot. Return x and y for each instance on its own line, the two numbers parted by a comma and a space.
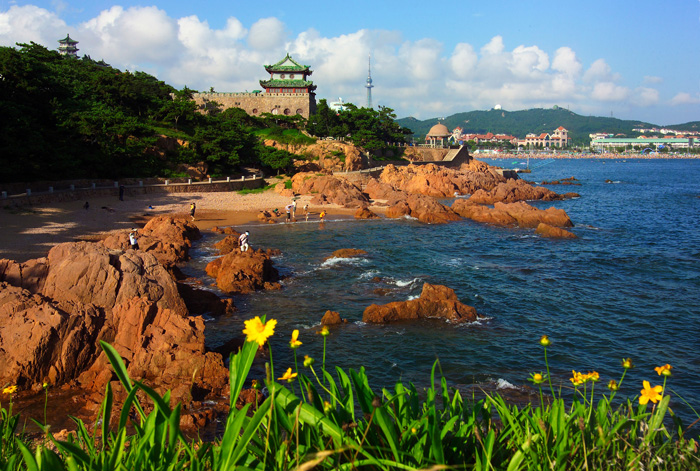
628, 286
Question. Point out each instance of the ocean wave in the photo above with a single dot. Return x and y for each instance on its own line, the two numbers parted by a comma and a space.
368, 275
355, 261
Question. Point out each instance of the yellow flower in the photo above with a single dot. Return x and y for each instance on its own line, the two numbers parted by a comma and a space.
324, 331
627, 363
594, 376
288, 375
327, 407
9, 390
258, 332
294, 343
664, 370
650, 394
537, 378
578, 378
544, 341
308, 361
612, 385
254, 384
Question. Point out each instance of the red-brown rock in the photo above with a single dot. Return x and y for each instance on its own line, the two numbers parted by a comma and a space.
545, 230
481, 213
332, 318
511, 191
167, 238
329, 189
90, 273
529, 216
228, 244
423, 208
364, 213
347, 253
435, 302
199, 301
243, 272
29, 275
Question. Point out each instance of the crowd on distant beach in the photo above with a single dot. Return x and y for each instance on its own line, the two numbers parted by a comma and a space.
581, 155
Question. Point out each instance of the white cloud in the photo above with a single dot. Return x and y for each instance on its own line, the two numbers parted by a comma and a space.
608, 91
652, 79
415, 77
684, 98
463, 60
266, 34
566, 62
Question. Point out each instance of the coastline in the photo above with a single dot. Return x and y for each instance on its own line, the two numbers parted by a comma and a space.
31, 232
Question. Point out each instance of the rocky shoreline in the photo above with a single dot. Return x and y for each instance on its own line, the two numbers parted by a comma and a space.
54, 310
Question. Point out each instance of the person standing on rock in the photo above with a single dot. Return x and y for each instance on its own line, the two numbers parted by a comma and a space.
243, 241
193, 208
132, 240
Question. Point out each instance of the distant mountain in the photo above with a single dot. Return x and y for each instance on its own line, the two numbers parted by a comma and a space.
537, 120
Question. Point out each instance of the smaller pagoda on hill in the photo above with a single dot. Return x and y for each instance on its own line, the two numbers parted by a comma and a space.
288, 76
67, 47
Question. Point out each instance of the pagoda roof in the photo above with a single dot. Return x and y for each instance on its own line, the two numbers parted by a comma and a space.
288, 65
288, 84
68, 40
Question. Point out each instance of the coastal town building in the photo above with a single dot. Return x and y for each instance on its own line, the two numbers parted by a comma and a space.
559, 138
641, 143
67, 47
287, 92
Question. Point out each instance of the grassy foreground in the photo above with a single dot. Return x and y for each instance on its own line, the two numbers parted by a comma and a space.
339, 422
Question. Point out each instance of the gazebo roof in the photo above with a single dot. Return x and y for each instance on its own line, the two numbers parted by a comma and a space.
439, 130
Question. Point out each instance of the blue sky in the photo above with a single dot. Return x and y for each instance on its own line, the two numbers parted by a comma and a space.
629, 59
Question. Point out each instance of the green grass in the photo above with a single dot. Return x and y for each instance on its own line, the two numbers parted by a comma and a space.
255, 191
329, 418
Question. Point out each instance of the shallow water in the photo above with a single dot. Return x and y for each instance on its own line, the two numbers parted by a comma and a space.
628, 286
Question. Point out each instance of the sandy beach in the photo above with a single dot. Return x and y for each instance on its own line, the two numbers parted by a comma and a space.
31, 231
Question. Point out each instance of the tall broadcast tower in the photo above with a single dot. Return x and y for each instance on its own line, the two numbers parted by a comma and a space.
369, 82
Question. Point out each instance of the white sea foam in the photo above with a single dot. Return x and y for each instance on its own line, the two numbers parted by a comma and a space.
369, 274
411, 298
401, 283
503, 384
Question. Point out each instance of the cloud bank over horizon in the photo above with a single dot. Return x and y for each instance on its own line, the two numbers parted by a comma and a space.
423, 78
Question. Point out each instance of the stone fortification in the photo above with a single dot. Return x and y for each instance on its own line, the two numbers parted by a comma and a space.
287, 104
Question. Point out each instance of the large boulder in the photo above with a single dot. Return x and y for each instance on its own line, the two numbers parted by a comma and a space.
511, 191
507, 214
243, 272
29, 275
90, 273
329, 189
168, 239
162, 348
423, 208
545, 230
347, 253
42, 340
435, 302
439, 181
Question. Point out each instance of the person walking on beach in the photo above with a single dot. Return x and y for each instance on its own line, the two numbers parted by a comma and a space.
288, 209
306, 211
121, 192
243, 241
322, 215
294, 209
193, 208
132, 240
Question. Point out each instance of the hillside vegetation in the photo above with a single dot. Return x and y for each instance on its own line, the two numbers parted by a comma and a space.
67, 118
538, 120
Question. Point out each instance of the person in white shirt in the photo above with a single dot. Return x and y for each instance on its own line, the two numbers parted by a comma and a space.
243, 241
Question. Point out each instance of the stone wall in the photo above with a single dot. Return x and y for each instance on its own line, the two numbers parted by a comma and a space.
288, 104
86, 193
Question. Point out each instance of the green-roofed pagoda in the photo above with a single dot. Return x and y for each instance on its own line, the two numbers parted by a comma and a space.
67, 46
288, 76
